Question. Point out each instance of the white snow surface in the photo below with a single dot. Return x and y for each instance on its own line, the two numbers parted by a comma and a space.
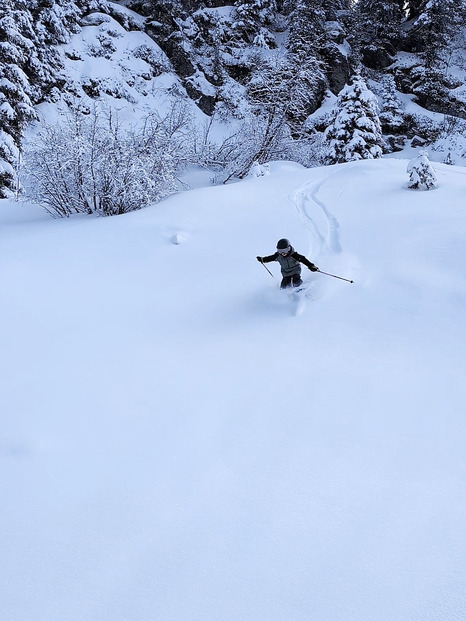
178, 445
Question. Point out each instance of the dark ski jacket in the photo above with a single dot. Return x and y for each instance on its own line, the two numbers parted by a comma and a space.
290, 263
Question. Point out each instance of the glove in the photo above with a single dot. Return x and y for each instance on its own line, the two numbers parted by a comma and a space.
259, 259
314, 268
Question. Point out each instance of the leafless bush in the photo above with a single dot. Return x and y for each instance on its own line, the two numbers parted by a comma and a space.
91, 164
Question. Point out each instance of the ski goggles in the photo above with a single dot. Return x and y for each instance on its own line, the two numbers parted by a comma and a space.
283, 250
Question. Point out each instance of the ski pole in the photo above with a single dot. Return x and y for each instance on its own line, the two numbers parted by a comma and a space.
267, 269
333, 276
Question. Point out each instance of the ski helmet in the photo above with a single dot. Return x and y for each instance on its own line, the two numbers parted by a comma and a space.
283, 245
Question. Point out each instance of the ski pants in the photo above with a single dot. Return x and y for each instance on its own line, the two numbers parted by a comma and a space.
293, 280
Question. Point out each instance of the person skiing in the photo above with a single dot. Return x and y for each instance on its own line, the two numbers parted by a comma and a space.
290, 261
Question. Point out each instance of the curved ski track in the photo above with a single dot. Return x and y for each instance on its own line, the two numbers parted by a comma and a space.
325, 236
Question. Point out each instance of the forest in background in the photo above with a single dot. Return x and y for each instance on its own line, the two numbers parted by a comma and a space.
315, 81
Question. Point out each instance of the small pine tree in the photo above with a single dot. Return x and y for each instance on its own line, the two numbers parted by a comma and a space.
421, 173
391, 117
354, 131
449, 159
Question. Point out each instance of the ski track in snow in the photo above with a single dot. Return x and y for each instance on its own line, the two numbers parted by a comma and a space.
322, 224
328, 240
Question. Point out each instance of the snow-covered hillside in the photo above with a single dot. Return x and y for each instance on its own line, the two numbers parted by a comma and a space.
125, 70
177, 444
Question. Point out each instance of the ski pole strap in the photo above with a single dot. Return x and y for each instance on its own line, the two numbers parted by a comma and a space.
333, 276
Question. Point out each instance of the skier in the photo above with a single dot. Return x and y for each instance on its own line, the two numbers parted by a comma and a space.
289, 261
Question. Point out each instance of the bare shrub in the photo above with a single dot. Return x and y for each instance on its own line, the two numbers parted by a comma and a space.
91, 164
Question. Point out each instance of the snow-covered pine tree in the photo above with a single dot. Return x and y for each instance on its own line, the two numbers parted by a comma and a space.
435, 25
449, 159
391, 117
303, 68
317, 32
421, 173
58, 19
251, 19
29, 67
431, 34
16, 43
354, 131
55, 21
379, 31
307, 34
166, 13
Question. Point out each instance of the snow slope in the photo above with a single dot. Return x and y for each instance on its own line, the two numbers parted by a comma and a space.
130, 73
176, 445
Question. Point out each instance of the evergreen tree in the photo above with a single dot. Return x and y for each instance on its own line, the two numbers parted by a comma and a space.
391, 117
449, 159
435, 25
16, 107
431, 34
421, 173
251, 17
354, 131
316, 33
379, 30
306, 81
164, 11
56, 19
29, 67
307, 34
